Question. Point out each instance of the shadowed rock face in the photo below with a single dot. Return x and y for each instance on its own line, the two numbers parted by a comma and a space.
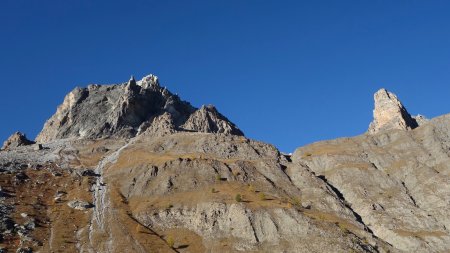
120, 110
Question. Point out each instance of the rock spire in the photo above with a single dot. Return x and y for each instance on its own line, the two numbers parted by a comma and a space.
389, 113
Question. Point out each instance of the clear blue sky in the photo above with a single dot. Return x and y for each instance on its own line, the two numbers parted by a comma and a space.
286, 72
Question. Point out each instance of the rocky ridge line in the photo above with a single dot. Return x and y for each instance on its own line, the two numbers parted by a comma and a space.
370, 193
124, 110
16, 140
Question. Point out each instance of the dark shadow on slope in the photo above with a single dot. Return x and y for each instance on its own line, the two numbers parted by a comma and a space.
341, 196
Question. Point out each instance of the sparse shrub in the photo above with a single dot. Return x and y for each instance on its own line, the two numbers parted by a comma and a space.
342, 227
170, 241
140, 228
262, 196
251, 188
218, 177
296, 201
169, 206
238, 198
213, 190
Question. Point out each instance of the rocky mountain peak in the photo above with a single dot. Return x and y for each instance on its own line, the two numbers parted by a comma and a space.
173, 189
126, 109
389, 113
15, 140
149, 81
132, 81
208, 119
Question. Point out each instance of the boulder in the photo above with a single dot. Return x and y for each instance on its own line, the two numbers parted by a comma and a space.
79, 204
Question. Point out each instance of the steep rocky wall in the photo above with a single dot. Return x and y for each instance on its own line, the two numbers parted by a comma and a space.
124, 110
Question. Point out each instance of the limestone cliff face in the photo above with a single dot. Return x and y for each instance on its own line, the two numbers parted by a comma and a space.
121, 110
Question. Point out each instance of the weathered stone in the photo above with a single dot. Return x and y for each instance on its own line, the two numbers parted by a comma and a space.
420, 119
121, 110
30, 225
16, 140
24, 250
208, 120
389, 113
38, 147
158, 126
396, 181
79, 204
88, 173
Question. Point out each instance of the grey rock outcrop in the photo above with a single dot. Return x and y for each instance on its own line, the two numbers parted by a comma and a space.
119, 110
389, 113
16, 140
420, 119
79, 204
397, 181
158, 126
208, 120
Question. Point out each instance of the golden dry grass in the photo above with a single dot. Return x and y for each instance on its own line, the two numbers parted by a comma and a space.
90, 152
420, 233
343, 224
56, 222
224, 192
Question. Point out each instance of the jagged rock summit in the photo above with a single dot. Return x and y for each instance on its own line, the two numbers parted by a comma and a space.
127, 109
15, 140
207, 119
389, 113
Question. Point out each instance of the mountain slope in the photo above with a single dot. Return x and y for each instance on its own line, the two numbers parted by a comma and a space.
150, 173
397, 181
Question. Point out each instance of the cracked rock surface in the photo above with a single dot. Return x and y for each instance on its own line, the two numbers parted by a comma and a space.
120, 110
16, 140
389, 113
